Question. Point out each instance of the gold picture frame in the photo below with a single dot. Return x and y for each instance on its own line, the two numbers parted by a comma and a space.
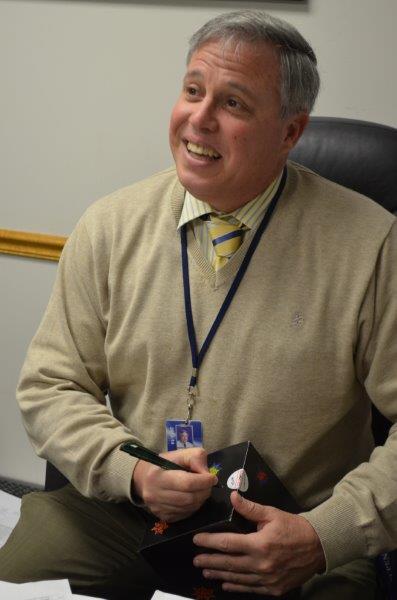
31, 245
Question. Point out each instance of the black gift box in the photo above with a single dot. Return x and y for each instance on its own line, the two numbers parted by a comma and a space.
168, 547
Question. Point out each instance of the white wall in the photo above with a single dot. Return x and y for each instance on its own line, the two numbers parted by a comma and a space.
25, 287
86, 89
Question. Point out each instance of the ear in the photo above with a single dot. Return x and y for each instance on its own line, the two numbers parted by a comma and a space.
295, 126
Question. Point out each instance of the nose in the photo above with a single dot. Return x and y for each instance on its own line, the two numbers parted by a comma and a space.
203, 116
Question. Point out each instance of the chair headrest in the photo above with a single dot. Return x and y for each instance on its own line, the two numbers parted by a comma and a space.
357, 154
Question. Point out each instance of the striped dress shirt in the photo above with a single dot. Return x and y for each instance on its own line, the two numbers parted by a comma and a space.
250, 215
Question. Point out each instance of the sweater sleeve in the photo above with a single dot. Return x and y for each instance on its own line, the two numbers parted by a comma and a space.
360, 518
63, 383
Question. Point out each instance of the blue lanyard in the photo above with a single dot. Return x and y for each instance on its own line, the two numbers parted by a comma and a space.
197, 357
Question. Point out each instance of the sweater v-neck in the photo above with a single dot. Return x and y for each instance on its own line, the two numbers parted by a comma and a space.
214, 279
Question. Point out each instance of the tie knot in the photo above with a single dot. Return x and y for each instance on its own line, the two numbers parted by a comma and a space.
226, 237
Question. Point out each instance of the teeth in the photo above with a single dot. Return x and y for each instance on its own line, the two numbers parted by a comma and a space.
202, 150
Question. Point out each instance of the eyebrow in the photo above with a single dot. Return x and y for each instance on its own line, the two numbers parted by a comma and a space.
232, 84
193, 73
241, 88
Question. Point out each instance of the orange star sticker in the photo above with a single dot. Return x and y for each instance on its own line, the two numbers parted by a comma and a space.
203, 593
262, 476
159, 527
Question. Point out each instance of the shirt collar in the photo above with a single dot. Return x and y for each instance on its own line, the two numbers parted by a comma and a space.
193, 208
249, 214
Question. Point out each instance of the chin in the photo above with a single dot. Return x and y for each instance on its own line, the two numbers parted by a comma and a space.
200, 192
198, 188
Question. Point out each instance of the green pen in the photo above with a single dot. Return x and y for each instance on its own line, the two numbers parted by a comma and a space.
151, 457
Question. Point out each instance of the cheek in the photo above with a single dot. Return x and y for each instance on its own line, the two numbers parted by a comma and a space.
243, 144
178, 117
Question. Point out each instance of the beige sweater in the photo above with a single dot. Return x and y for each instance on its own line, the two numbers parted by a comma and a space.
309, 339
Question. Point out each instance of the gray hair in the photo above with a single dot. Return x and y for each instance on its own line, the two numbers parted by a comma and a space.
300, 80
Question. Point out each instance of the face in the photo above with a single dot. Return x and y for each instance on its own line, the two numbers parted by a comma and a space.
226, 134
184, 437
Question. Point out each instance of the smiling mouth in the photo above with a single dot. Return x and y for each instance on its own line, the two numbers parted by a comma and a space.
202, 151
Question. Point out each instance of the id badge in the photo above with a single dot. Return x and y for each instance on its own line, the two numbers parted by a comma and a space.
180, 435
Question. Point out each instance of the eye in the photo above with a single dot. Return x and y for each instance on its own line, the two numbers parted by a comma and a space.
234, 104
191, 91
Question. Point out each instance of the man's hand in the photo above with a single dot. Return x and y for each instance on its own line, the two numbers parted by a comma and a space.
283, 553
174, 495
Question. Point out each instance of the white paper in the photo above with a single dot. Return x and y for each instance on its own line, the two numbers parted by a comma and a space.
58, 589
163, 596
10, 507
78, 597
38, 590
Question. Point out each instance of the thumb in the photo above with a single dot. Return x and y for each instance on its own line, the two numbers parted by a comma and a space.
252, 510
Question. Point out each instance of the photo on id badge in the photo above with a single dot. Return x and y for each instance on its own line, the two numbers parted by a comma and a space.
183, 435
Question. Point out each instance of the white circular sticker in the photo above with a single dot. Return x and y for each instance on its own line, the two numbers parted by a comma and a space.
238, 481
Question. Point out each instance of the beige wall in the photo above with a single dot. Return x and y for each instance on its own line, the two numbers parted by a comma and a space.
86, 89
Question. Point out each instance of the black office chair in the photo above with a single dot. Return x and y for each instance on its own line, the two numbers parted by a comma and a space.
361, 156
357, 154
53, 478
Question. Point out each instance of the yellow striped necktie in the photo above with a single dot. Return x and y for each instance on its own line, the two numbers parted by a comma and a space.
226, 239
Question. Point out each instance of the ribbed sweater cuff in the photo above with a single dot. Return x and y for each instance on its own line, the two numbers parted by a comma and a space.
118, 475
335, 522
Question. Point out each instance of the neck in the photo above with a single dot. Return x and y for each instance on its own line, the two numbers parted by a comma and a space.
228, 205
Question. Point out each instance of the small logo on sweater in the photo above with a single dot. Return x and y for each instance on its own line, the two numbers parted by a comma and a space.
297, 319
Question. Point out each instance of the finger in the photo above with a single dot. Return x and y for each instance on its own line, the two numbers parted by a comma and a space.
200, 483
233, 543
182, 481
224, 562
171, 513
193, 459
178, 500
252, 510
198, 462
232, 577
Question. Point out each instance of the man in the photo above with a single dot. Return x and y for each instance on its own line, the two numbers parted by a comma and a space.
183, 441
298, 388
